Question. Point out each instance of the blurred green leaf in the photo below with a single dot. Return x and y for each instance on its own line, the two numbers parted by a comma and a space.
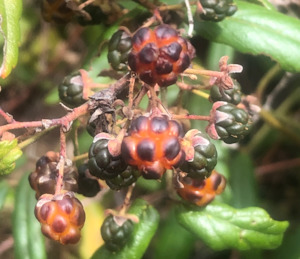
9, 153
222, 227
242, 180
28, 238
141, 236
10, 13
170, 233
257, 30
290, 246
4, 187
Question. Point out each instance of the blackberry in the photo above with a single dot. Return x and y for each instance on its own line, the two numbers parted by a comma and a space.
233, 95
119, 47
115, 235
217, 10
87, 184
124, 179
228, 123
71, 90
205, 157
101, 163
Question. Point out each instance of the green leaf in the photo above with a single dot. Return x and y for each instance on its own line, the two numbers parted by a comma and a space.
170, 233
222, 227
257, 30
28, 239
141, 236
4, 187
9, 153
10, 13
242, 180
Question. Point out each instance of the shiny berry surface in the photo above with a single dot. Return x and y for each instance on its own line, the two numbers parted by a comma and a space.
159, 55
116, 235
153, 145
204, 159
202, 192
124, 179
71, 90
101, 163
61, 217
88, 185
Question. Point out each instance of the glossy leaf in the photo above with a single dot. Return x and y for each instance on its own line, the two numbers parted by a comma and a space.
10, 13
9, 153
28, 238
257, 30
141, 236
223, 227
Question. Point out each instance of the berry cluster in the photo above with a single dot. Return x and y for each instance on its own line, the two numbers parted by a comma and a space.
130, 142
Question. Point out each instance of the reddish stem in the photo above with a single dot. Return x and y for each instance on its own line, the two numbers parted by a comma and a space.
6, 116
191, 117
64, 121
61, 163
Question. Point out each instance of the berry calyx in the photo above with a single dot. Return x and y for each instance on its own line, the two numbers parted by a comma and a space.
61, 217
158, 56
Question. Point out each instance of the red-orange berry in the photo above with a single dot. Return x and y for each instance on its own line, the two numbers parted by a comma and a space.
202, 192
61, 217
153, 145
159, 55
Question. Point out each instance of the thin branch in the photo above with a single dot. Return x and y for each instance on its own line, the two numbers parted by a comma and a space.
61, 163
191, 117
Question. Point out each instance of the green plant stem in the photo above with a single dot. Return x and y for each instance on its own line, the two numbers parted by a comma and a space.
275, 123
201, 93
34, 138
80, 157
265, 80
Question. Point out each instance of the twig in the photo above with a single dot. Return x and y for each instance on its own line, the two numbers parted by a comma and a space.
265, 80
61, 163
201, 93
277, 166
191, 117
190, 18
6, 116
64, 121
6, 244
80, 157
